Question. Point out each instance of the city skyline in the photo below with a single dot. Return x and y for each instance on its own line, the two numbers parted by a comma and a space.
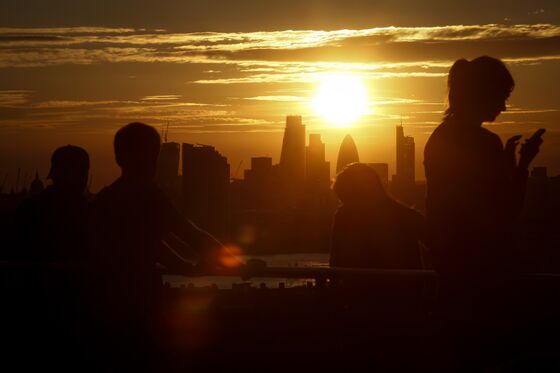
77, 74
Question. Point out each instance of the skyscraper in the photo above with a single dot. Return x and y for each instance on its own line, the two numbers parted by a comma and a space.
205, 188
347, 153
318, 170
405, 157
292, 162
404, 184
292, 158
259, 183
168, 165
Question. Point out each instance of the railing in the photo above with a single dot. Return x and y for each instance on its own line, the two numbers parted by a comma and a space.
263, 271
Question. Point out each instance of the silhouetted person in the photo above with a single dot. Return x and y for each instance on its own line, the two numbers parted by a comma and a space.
131, 217
475, 186
51, 239
51, 226
370, 229
475, 190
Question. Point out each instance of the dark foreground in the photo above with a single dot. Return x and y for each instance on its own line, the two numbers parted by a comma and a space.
382, 322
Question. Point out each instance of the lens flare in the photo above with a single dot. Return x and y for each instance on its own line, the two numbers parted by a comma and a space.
230, 256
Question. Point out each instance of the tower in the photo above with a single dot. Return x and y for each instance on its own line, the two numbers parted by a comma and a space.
318, 170
292, 158
168, 165
205, 188
405, 157
36, 185
347, 154
404, 184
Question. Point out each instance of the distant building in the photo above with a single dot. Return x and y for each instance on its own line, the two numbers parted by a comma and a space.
404, 180
259, 181
292, 160
318, 170
405, 157
36, 186
168, 165
292, 157
347, 154
382, 170
205, 188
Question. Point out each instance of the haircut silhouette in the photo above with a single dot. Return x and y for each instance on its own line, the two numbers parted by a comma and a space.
370, 229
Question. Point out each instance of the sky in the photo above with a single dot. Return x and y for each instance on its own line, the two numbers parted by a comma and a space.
226, 73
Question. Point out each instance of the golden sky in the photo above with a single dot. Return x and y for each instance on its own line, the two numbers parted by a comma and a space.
227, 75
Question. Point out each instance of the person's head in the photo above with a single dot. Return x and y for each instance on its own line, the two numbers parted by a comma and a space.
69, 168
358, 184
478, 89
136, 150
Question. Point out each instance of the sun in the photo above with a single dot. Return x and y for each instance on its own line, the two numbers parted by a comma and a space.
341, 99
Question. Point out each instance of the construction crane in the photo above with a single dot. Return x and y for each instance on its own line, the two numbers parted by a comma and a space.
237, 170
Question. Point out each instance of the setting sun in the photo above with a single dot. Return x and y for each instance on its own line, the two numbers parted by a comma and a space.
340, 99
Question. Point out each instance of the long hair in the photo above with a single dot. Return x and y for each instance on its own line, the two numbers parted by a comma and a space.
473, 83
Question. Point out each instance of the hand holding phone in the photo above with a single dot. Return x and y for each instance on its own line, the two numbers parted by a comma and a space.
538, 133
530, 148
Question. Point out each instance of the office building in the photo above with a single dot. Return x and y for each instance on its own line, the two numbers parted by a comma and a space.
205, 188
348, 153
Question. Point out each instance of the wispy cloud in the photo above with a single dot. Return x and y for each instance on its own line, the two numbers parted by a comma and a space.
14, 97
161, 98
277, 98
87, 45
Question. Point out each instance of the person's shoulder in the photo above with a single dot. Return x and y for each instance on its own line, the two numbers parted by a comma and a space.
108, 193
406, 213
490, 137
438, 136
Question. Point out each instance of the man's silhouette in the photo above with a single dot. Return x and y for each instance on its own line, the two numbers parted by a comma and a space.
370, 229
51, 233
130, 219
52, 225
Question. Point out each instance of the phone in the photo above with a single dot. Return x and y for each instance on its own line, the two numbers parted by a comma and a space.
538, 133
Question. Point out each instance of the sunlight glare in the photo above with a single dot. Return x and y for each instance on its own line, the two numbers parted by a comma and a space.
341, 99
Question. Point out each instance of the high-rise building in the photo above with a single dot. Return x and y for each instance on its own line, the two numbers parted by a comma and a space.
318, 170
404, 181
259, 182
205, 188
382, 170
168, 165
405, 157
347, 154
292, 158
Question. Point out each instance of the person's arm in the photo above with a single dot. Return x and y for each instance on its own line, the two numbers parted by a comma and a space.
209, 250
529, 149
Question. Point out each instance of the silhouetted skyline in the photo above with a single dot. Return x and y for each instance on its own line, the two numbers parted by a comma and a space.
75, 74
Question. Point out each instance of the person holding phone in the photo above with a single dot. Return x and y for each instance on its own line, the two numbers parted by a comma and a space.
475, 185
475, 192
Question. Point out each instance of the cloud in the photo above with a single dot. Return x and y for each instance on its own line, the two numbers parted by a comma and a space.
277, 98
85, 45
11, 98
161, 98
